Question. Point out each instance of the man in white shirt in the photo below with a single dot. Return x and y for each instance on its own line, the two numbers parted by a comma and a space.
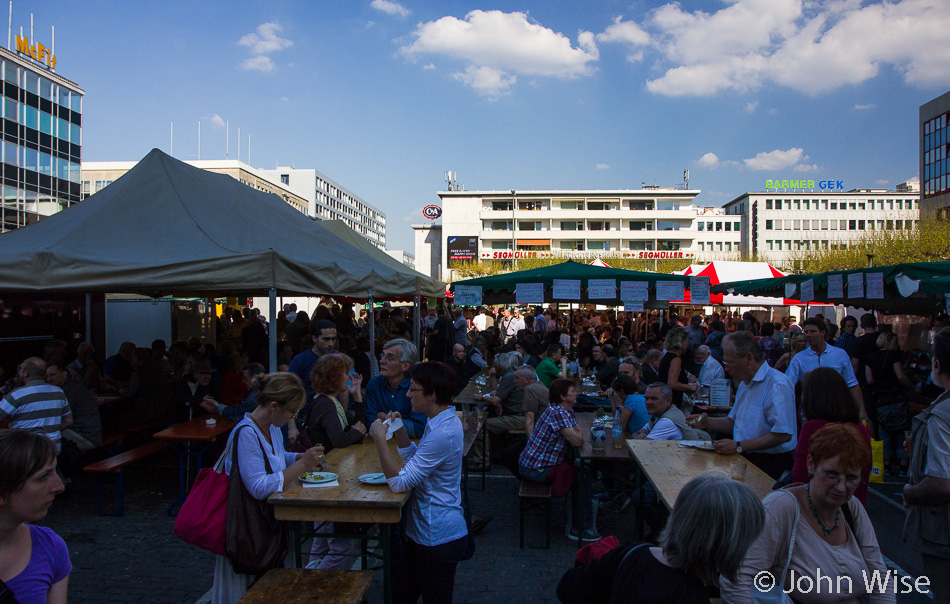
480, 321
710, 368
666, 421
762, 421
820, 354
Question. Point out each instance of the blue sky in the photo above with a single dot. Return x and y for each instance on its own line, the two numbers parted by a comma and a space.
384, 96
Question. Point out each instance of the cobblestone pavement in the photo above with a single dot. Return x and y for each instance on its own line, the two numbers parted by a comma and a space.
138, 558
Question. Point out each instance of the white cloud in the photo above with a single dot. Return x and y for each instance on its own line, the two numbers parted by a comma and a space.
499, 46
258, 63
882, 181
261, 44
628, 33
809, 46
487, 81
284, 99
266, 40
773, 111
390, 8
806, 168
429, 66
709, 160
863, 107
776, 160
217, 120
603, 166
751, 107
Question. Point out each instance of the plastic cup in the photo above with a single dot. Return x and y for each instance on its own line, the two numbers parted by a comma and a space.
737, 469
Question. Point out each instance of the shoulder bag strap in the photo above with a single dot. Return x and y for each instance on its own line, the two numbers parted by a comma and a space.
234, 450
791, 541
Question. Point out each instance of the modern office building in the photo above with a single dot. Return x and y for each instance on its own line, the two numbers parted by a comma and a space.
649, 223
330, 201
779, 226
934, 143
99, 174
404, 257
42, 136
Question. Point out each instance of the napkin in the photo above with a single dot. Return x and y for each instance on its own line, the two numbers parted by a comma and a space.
334, 483
392, 426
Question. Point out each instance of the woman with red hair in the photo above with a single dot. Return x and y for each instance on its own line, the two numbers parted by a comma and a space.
818, 530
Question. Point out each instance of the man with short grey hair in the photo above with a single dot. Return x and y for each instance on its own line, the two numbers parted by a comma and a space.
709, 368
508, 401
667, 422
389, 391
37, 406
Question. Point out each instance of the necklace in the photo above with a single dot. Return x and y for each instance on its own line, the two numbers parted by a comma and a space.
811, 505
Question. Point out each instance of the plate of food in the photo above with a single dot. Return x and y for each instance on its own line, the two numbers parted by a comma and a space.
317, 477
698, 444
374, 478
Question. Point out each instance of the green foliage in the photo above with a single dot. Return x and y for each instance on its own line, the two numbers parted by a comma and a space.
927, 242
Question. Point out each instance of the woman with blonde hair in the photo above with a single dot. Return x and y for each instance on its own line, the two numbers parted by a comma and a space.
671, 371
797, 344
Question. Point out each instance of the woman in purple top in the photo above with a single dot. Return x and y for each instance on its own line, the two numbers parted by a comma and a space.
34, 562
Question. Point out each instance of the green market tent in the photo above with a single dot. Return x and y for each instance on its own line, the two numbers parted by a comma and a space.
500, 289
913, 288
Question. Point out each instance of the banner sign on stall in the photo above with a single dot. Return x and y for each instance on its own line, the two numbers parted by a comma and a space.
637, 305
669, 290
720, 393
468, 295
699, 290
808, 290
529, 293
790, 289
835, 286
875, 285
634, 290
855, 285
567, 289
600, 289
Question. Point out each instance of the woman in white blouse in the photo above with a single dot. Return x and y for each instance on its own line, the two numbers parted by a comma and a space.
258, 435
436, 536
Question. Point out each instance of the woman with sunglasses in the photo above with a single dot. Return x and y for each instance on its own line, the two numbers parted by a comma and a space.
830, 532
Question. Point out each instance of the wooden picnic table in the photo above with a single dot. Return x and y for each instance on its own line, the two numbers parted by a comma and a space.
585, 420
669, 467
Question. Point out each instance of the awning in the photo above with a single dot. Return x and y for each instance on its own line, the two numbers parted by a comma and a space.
534, 242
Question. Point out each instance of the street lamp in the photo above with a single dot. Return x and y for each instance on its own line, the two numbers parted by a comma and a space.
514, 246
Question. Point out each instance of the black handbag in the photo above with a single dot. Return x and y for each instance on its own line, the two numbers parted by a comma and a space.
894, 417
255, 541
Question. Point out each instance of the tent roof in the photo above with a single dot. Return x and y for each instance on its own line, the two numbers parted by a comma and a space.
720, 271
168, 227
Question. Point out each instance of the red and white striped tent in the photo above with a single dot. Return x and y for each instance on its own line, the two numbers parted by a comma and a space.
724, 271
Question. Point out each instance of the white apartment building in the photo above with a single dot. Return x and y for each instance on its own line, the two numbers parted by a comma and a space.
779, 226
648, 223
330, 201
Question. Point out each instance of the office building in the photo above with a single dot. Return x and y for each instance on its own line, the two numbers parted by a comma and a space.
647, 224
934, 182
780, 226
42, 136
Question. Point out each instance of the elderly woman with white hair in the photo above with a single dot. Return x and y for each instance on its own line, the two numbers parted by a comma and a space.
714, 521
505, 401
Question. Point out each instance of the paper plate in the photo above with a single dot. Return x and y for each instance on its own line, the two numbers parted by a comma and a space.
698, 444
317, 477
375, 478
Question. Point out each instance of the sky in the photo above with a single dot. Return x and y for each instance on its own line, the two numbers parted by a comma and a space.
384, 96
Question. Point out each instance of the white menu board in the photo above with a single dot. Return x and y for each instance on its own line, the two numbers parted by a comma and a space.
720, 393
468, 295
529, 293
567, 289
634, 290
637, 305
835, 286
855, 285
600, 289
875, 285
669, 290
699, 290
808, 290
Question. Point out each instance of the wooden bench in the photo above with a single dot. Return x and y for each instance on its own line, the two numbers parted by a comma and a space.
535, 496
300, 585
116, 465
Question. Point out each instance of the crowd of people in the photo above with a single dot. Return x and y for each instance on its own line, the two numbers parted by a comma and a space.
802, 401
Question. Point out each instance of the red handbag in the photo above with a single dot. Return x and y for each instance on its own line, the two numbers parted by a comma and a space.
203, 516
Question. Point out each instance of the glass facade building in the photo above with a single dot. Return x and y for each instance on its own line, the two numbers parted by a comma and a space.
934, 147
42, 142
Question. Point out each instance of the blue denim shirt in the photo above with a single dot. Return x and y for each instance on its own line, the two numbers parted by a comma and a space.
381, 399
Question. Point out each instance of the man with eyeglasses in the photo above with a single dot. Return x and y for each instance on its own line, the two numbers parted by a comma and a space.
324, 341
762, 421
389, 391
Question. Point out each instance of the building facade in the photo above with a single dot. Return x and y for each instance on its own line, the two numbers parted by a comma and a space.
42, 136
649, 223
97, 175
934, 144
330, 201
779, 227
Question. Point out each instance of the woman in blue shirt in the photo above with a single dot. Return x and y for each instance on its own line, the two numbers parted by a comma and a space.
436, 536
633, 408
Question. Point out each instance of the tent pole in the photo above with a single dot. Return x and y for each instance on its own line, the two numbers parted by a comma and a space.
416, 321
372, 331
272, 330
88, 317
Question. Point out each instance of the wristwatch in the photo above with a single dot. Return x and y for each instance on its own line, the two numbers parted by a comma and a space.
738, 446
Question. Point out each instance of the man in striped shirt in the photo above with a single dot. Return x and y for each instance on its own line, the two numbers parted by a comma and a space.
37, 407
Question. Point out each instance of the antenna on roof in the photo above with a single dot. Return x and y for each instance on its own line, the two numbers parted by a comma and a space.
450, 179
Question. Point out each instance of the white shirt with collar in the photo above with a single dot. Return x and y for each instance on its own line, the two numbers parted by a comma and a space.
765, 404
711, 370
809, 360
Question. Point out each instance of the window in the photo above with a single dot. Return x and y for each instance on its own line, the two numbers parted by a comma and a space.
728, 226
718, 226
501, 225
771, 245
797, 225
501, 205
641, 225
641, 245
700, 225
574, 246
798, 204
641, 205
598, 225
568, 205
860, 225
596, 205
768, 225
824, 225
501, 245
667, 205
669, 245
598, 245
843, 225
572, 225
728, 246
834, 205
529, 225
768, 204
709, 226
667, 225
285, 179
852, 225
